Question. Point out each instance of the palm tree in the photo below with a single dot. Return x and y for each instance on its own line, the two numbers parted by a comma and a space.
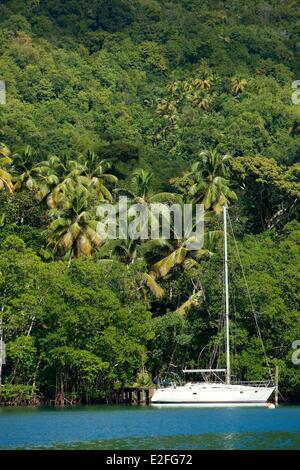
177, 253
149, 280
4, 150
173, 88
142, 180
201, 102
180, 255
126, 250
28, 174
211, 187
203, 84
86, 172
65, 175
168, 111
142, 194
172, 253
164, 255
238, 85
199, 99
5, 176
188, 87
166, 108
97, 175
195, 300
73, 226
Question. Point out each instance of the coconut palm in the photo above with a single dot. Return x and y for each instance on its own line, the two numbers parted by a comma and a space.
95, 173
203, 84
181, 255
4, 151
141, 193
201, 102
31, 175
126, 250
5, 176
86, 172
149, 280
73, 227
65, 175
199, 99
166, 108
184, 251
211, 187
168, 111
238, 85
176, 254
195, 300
188, 87
173, 88
142, 180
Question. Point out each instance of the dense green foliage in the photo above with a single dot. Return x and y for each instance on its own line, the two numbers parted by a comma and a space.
145, 98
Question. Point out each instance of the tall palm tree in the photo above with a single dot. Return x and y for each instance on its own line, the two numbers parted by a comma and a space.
188, 87
5, 176
95, 173
29, 174
211, 186
128, 251
141, 193
171, 253
73, 227
199, 99
195, 300
142, 180
238, 85
173, 88
203, 83
4, 150
166, 108
180, 255
87, 172
65, 176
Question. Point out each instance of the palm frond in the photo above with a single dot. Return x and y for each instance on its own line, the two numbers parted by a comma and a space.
151, 283
164, 266
194, 301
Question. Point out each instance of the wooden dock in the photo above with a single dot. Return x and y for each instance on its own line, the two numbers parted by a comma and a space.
137, 395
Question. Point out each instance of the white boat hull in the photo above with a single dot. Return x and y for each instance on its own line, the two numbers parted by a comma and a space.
212, 394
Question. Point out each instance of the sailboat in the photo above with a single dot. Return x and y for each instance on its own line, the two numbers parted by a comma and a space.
216, 393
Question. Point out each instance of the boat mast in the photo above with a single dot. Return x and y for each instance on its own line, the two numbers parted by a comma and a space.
226, 296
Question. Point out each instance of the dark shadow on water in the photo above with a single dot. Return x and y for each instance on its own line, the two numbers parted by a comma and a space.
230, 441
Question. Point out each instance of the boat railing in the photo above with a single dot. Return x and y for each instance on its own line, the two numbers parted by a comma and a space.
257, 383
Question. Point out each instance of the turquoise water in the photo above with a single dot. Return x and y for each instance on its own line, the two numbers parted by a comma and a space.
133, 427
